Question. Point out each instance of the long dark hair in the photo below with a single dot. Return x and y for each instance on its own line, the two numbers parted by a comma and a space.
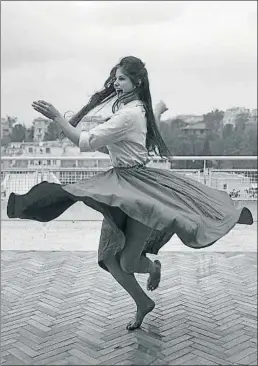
135, 69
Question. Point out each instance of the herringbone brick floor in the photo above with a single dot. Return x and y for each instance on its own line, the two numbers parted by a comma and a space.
60, 308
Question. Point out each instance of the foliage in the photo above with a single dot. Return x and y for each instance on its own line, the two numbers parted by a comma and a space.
18, 133
213, 120
11, 120
30, 134
5, 140
53, 132
240, 139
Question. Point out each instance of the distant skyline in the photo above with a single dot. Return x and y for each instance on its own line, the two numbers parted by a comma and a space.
200, 55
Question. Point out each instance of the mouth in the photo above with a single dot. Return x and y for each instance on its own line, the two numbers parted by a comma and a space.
119, 92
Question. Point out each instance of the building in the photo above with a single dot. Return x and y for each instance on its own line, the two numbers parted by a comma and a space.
253, 116
6, 128
231, 114
28, 148
189, 118
198, 129
52, 150
89, 122
40, 128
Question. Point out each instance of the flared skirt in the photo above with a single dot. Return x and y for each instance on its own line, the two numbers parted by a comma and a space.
168, 203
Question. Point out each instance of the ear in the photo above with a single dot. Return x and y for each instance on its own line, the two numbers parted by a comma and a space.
138, 84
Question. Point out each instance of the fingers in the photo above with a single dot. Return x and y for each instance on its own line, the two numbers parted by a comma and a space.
44, 103
41, 103
36, 105
40, 107
45, 108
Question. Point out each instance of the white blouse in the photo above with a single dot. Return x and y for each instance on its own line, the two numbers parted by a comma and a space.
124, 134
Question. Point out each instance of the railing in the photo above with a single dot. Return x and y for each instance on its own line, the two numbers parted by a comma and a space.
240, 184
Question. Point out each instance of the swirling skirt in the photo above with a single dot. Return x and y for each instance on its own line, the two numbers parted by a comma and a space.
166, 202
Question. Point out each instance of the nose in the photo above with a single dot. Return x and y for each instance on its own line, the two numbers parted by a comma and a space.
116, 84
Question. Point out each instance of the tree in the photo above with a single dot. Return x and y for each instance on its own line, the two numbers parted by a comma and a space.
248, 142
29, 134
173, 135
214, 122
5, 140
206, 148
53, 132
18, 133
228, 130
241, 121
11, 120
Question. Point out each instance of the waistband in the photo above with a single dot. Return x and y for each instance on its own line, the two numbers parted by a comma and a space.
143, 165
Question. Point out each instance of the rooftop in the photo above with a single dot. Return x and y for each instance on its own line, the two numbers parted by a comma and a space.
60, 308
196, 126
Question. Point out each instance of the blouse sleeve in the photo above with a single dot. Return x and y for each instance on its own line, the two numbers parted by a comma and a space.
114, 130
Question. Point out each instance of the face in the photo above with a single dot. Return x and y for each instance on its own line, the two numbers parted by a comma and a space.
122, 83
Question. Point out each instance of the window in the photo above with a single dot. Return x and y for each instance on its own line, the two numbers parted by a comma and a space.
30, 149
48, 162
47, 150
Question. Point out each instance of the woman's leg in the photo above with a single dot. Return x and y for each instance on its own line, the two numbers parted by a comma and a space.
132, 260
129, 283
126, 278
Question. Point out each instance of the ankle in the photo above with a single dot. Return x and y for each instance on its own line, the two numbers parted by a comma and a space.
144, 302
153, 268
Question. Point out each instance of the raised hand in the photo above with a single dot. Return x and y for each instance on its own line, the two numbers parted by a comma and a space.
46, 109
160, 107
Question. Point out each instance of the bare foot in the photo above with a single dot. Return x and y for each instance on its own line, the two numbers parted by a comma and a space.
140, 315
154, 278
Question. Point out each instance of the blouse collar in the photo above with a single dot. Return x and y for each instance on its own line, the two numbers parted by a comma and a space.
133, 103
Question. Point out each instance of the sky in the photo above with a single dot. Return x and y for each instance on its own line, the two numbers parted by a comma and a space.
200, 55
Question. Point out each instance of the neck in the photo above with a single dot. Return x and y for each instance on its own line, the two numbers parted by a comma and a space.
129, 99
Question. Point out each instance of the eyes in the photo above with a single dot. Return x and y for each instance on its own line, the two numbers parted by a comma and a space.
119, 78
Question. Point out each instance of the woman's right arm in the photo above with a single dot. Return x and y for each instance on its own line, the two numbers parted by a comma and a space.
158, 110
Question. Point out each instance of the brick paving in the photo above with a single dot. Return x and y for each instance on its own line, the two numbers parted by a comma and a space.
60, 308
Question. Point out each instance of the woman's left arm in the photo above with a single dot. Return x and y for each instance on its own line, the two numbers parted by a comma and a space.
71, 132
114, 130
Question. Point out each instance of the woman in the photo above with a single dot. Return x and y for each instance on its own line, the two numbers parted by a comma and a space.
142, 207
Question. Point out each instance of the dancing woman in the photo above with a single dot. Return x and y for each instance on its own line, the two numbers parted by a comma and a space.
142, 206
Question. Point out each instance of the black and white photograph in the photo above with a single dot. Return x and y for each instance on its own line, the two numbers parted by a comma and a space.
128, 183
